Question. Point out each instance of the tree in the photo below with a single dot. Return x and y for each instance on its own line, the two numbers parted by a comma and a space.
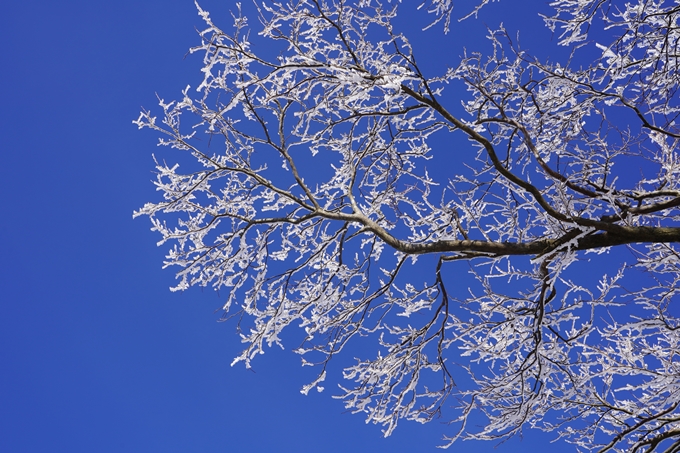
317, 209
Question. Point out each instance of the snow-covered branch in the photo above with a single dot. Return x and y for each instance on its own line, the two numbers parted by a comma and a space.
300, 185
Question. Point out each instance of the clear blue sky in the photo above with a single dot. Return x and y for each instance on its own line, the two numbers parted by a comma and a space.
97, 355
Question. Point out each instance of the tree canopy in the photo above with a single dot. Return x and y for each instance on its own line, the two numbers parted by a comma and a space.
525, 276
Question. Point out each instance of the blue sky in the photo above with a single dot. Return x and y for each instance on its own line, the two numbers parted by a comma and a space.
97, 354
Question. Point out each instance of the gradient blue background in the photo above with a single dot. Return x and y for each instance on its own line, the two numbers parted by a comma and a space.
96, 355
